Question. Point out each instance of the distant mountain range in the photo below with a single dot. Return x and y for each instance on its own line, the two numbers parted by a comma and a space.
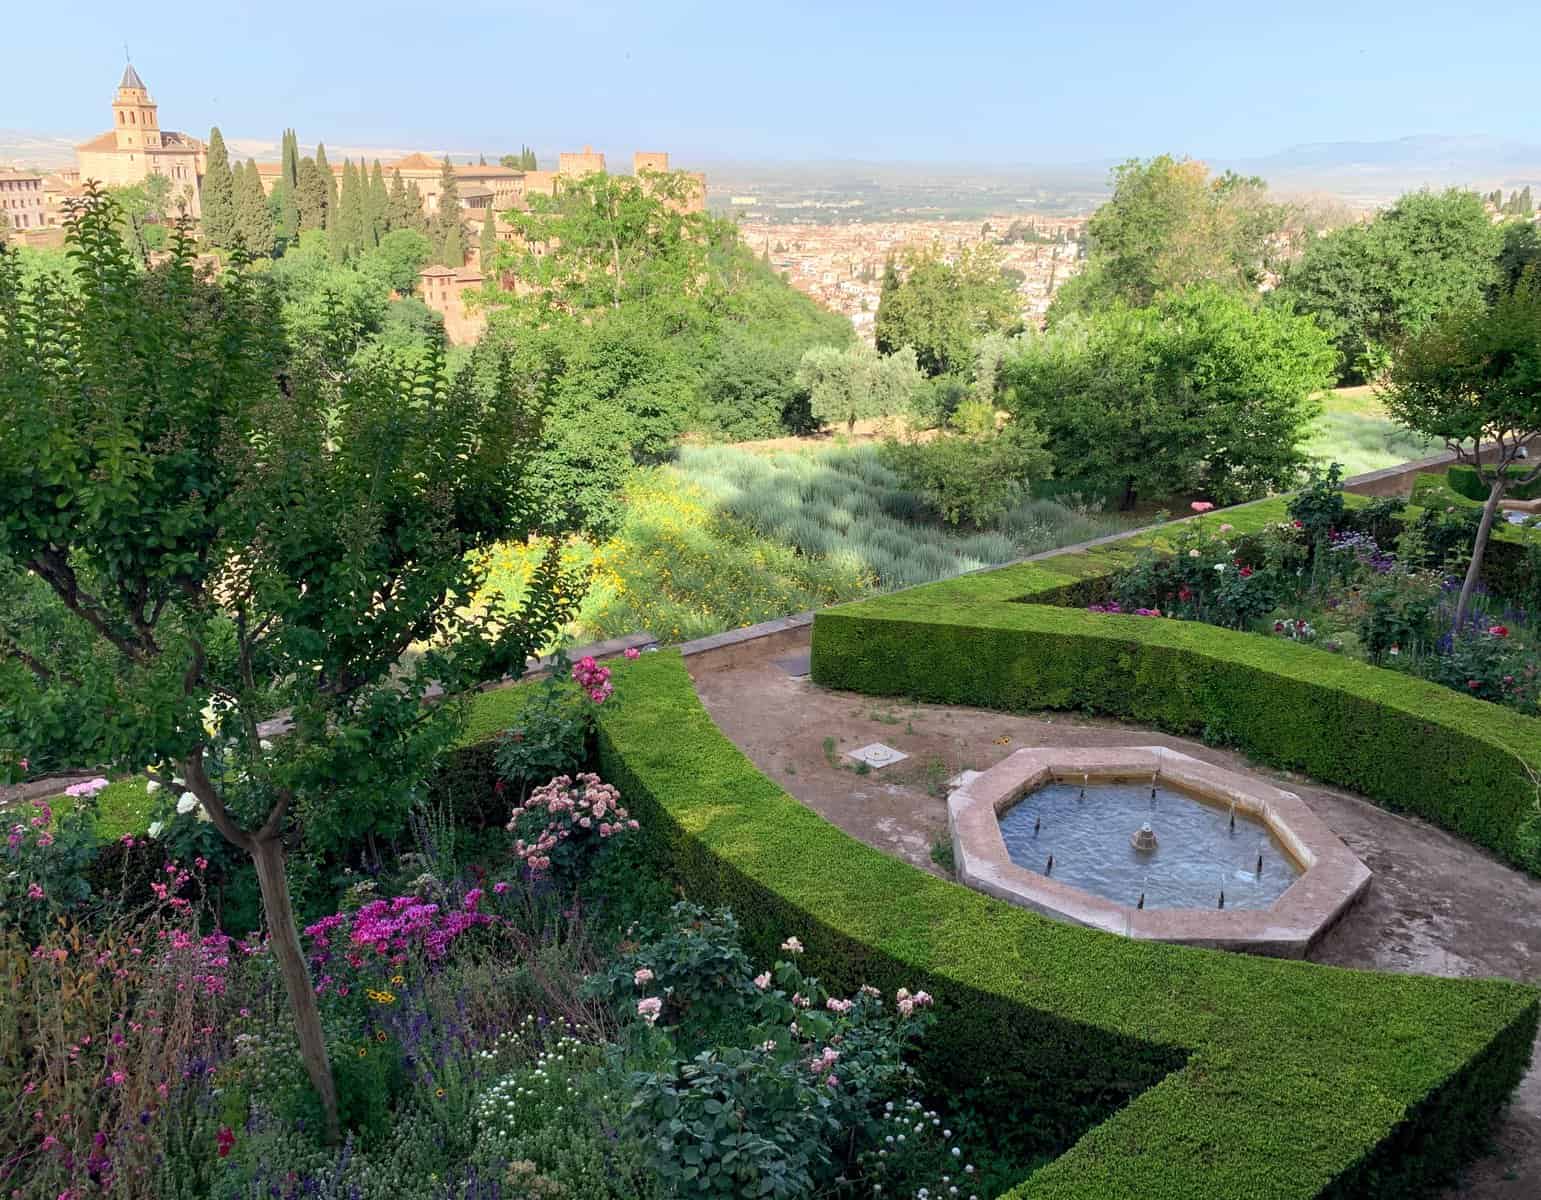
1391, 167
1366, 170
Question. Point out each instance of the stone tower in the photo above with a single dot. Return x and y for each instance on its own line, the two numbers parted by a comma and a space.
134, 120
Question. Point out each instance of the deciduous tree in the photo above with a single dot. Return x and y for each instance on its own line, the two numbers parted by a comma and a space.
941, 308
1473, 379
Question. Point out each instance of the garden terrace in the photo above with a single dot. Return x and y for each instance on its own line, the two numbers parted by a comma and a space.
1002, 640
1145, 1069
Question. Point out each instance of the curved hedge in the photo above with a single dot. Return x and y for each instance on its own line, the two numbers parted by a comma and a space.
1151, 1071
1410, 745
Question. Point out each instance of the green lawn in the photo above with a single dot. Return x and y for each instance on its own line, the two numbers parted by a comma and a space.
1354, 430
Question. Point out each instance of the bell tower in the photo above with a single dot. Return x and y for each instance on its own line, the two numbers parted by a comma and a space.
134, 120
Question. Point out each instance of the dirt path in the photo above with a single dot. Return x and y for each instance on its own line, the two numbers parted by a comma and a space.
1438, 905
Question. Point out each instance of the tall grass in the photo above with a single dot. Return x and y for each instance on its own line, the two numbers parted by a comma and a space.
845, 505
725, 537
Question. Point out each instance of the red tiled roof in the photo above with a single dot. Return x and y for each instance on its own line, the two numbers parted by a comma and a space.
417, 161
102, 141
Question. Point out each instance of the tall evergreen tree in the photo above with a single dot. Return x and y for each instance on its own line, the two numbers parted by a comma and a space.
377, 207
446, 232
218, 195
285, 199
329, 183
347, 233
528, 159
481, 160
397, 214
487, 248
310, 196
253, 220
454, 247
417, 217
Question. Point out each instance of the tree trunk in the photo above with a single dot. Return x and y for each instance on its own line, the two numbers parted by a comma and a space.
1474, 570
1126, 501
284, 938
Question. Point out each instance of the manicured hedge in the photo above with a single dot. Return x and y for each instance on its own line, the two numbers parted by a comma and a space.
1466, 482
1151, 1071
987, 640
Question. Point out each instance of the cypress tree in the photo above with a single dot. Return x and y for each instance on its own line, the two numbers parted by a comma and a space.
253, 221
377, 210
454, 247
416, 218
397, 214
310, 195
446, 228
285, 198
487, 248
218, 195
1526, 206
346, 232
329, 186
481, 160
528, 156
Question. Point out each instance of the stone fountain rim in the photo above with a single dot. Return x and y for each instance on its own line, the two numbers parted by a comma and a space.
1332, 877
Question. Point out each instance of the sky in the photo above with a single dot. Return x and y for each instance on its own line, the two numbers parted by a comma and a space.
922, 82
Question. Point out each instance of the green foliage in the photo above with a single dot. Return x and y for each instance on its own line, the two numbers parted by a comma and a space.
1318, 506
1464, 480
217, 214
310, 196
1366, 1084
248, 530
253, 219
1170, 226
976, 480
400, 259
1371, 286
847, 385
941, 308
1200, 393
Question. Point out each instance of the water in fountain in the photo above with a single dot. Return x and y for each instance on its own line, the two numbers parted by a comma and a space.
1088, 840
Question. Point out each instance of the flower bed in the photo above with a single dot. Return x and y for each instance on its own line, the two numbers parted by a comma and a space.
1149, 1070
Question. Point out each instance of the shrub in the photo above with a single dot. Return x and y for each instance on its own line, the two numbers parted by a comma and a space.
974, 479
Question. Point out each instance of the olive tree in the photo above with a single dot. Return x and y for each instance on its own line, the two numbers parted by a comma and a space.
254, 534
1473, 379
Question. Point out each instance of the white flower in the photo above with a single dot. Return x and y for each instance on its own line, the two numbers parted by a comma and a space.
1193, 553
155, 828
187, 803
152, 787
1219, 566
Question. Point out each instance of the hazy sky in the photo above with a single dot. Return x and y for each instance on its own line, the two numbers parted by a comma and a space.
896, 81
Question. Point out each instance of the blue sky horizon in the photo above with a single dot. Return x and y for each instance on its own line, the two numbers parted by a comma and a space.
983, 82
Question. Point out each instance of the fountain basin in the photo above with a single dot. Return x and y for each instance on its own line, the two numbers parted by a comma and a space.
1312, 876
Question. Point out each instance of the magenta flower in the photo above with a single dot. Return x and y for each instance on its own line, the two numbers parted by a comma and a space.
631, 652
34, 892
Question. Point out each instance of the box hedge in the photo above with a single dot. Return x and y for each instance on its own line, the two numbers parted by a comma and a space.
1465, 481
1146, 1070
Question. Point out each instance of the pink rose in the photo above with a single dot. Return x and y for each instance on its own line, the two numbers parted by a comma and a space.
649, 1009
631, 652
1201, 506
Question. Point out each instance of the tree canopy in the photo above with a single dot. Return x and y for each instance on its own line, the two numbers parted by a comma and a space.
1169, 225
1201, 392
1373, 285
940, 308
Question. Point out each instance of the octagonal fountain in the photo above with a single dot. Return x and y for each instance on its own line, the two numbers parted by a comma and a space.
1151, 843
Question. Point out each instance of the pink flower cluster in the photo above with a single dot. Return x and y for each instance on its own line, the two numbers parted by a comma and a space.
824, 1065
394, 928
907, 1003
89, 788
593, 678
563, 809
